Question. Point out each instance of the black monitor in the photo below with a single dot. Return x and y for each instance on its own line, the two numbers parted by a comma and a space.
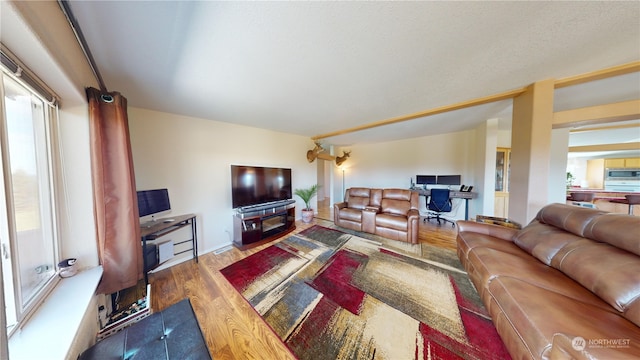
425, 179
153, 201
449, 180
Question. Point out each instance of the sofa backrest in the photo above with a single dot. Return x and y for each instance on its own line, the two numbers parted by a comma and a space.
398, 201
568, 217
601, 251
609, 228
357, 198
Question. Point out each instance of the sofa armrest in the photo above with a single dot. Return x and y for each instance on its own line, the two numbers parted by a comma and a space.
413, 214
500, 232
336, 211
413, 224
375, 209
369, 220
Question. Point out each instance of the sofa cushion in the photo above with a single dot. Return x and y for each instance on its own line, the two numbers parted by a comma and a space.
358, 198
611, 273
570, 218
470, 240
358, 203
543, 241
397, 194
359, 191
491, 263
351, 214
396, 201
391, 221
395, 207
536, 314
606, 229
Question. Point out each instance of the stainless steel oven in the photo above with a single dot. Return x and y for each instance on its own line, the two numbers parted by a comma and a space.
622, 174
622, 180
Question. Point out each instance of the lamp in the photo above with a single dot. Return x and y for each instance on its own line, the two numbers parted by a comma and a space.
343, 189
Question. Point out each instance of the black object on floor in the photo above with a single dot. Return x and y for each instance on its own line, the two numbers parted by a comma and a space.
172, 334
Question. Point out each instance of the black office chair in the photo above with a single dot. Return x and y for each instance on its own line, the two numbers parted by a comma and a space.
439, 202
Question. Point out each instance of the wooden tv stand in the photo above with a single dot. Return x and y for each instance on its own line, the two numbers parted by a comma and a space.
263, 223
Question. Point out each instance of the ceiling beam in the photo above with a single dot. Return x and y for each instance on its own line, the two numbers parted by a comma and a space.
600, 128
457, 106
606, 147
598, 75
325, 156
626, 110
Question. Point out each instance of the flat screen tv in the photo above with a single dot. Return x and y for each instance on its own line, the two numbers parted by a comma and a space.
153, 201
254, 185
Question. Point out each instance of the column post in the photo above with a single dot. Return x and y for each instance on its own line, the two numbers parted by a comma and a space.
530, 151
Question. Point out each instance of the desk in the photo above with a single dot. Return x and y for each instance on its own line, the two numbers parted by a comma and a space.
453, 194
161, 228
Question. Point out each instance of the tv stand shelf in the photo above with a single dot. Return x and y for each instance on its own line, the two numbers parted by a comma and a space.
163, 227
266, 222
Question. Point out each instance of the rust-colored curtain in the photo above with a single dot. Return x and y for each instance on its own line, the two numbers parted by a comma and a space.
114, 192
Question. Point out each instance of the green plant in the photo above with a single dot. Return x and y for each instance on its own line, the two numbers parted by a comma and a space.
307, 194
570, 179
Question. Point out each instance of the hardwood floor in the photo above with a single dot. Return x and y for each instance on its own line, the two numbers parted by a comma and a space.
231, 327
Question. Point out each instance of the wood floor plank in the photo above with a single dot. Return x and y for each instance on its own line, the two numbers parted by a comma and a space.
231, 327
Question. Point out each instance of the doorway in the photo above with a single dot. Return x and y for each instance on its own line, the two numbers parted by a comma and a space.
325, 176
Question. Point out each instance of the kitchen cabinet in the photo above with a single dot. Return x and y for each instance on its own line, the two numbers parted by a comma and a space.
503, 168
632, 163
595, 174
622, 163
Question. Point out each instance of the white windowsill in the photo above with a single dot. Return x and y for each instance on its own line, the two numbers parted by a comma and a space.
50, 332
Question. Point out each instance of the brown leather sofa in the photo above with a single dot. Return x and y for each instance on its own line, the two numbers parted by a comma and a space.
566, 286
391, 213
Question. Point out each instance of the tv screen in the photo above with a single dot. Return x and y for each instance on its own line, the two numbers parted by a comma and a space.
252, 185
153, 201
425, 179
449, 180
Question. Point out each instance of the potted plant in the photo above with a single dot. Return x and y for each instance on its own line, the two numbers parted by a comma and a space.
570, 179
306, 195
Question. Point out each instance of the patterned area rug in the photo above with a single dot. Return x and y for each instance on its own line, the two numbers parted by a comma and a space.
332, 295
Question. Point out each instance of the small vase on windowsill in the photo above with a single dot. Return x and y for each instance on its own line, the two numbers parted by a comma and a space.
306, 195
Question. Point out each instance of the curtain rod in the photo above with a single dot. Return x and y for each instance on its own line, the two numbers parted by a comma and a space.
66, 9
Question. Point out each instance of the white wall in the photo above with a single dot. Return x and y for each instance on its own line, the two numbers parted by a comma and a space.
558, 166
191, 157
578, 168
504, 138
393, 164
77, 223
485, 166
49, 49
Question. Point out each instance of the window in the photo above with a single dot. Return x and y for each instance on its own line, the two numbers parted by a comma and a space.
28, 236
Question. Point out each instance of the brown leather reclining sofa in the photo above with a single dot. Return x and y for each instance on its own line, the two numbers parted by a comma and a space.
391, 213
567, 286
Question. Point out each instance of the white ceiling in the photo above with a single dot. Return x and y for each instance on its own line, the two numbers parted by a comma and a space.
311, 68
